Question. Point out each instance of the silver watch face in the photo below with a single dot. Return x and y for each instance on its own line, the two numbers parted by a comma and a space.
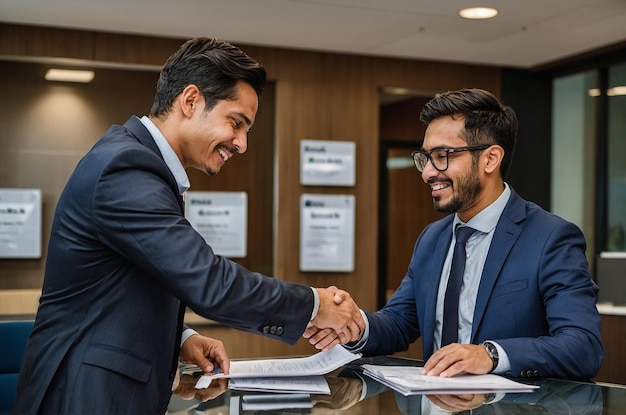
492, 351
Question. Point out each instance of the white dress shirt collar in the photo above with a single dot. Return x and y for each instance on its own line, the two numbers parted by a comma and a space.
170, 157
487, 219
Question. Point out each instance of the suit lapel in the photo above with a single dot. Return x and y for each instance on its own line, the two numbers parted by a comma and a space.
507, 231
136, 127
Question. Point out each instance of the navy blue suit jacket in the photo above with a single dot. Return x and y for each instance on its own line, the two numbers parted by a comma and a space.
536, 297
122, 265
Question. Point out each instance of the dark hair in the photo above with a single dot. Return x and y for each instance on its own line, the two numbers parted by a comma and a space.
214, 66
487, 121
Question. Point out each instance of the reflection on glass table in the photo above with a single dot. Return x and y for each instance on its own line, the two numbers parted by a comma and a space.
354, 393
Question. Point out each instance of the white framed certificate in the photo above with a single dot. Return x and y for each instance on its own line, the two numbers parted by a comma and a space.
327, 232
327, 163
20, 223
222, 220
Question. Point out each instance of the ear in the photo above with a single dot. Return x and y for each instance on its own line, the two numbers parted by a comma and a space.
190, 100
493, 158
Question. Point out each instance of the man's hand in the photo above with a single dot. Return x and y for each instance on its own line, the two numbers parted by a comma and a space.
338, 320
205, 352
185, 388
458, 403
344, 394
458, 358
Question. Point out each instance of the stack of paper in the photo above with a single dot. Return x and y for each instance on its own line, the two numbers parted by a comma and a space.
409, 381
293, 384
296, 374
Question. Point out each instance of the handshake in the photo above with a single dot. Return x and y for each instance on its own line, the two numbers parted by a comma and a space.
338, 320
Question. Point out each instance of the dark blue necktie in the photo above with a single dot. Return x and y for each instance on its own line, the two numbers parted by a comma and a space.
450, 331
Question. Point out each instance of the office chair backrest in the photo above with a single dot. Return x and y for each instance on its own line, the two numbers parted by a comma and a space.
13, 337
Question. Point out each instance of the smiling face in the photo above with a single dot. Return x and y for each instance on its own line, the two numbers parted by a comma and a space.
212, 138
459, 187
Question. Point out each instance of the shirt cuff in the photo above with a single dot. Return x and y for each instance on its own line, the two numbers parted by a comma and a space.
187, 334
316, 303
356, 346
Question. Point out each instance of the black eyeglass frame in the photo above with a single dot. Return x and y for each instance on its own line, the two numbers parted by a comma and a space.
448, 151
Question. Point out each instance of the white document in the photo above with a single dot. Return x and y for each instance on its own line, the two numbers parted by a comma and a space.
317, 364
316, 384
408, 381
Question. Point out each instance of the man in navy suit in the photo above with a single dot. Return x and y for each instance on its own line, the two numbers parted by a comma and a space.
527, 305
123, 262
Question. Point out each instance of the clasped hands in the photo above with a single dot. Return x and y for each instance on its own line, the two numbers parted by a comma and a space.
346, 325
338, 320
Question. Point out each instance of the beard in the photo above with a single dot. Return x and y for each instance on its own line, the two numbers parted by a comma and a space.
467, 189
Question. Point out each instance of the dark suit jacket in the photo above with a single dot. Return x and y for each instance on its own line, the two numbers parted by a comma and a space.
122, 264
536, 297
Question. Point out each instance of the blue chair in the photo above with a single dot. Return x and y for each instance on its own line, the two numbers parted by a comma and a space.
13, 337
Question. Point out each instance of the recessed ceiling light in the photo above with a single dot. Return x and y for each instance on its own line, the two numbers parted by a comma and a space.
594, 92
69, 75
478, 13
616, 90
611, 92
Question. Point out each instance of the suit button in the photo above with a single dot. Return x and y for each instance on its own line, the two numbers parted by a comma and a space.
279, 331
536, 373
273, 330
523, 373
266, 329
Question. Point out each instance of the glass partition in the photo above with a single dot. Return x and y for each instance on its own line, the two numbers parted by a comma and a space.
574, 108
616, 160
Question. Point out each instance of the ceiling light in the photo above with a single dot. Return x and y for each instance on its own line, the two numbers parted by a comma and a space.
69, 75
478, 13
594, 92
611, 92
616, 90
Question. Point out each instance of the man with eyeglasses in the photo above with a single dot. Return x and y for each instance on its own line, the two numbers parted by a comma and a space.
527, 303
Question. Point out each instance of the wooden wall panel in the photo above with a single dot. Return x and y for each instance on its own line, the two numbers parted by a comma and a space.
32, 41
331, 104
47, 127
140, 50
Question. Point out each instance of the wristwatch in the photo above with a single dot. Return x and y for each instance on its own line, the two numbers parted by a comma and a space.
492, 351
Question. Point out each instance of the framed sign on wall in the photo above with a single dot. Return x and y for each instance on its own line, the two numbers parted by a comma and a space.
222, 220
326, 232
327, 163
20, 223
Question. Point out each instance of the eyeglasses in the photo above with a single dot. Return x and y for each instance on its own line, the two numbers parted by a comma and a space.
439, 156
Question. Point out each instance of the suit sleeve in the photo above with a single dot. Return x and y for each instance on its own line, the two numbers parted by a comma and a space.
394, 327
573, 347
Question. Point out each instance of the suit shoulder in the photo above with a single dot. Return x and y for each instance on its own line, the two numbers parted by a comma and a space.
118, 147
539, 221
536, 212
